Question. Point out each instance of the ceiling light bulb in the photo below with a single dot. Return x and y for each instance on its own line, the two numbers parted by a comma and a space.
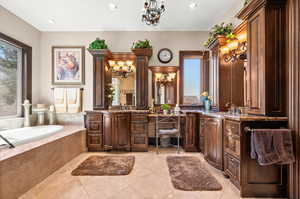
193, 5
112, 6
51, 21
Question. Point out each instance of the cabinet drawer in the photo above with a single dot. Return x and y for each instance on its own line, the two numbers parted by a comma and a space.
139, 142
233, 127
94, 141
232, 169
232, 140
139, 117
94, 117
94, 126
139, 128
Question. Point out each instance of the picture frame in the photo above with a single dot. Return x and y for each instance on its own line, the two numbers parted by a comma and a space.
68, 65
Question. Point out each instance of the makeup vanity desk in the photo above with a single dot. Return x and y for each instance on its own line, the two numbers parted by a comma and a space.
131, 130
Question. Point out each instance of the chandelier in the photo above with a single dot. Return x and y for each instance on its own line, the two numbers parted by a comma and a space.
164, 78
121, 68
152, 12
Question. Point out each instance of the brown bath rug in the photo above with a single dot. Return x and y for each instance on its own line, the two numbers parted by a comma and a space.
105, 166
188, 174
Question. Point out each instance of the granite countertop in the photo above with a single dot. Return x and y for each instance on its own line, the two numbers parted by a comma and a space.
118, 111
244, 117
165, 115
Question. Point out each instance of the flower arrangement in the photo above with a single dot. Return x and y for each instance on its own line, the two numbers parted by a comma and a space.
98, 44
206, 100
142, 44
219, 30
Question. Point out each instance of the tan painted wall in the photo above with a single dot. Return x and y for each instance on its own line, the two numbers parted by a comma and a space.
18, 29
118, 42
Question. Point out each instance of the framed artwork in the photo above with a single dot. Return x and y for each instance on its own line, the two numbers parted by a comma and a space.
68, 65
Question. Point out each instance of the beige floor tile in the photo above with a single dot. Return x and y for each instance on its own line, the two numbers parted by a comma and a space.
149, 180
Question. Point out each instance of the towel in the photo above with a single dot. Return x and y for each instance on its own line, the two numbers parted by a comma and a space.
74, 103
60, 100
272, 146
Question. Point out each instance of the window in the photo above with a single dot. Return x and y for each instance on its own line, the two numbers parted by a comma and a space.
15, 70
193, 77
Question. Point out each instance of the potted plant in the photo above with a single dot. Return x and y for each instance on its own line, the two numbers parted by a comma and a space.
142, 48
246, 2
165, 108
206, 99
219, 31
98, 47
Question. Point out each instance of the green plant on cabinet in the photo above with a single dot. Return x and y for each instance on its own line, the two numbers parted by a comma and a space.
142, 44
98, 44
219, 30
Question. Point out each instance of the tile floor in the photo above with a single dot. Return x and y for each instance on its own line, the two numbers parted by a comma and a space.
148, 180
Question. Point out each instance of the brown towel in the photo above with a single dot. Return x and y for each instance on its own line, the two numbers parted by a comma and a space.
272, 146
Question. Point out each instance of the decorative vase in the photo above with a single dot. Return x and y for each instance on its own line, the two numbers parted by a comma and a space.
207, 105
165, 112
177, 109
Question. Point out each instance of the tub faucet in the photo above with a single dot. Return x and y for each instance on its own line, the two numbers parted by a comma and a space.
5, 140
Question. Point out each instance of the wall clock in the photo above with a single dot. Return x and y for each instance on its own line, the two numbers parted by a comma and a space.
165, 55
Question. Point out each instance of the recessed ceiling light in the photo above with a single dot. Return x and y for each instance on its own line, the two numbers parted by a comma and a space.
193, 5
112, 7
51, 21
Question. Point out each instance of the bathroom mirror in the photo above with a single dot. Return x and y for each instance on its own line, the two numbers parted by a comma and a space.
123, 73
164, 84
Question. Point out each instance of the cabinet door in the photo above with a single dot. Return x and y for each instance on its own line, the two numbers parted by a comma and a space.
256, 67
122, 131
213, 142
94, 142
232, 138
191, 133
232, 169
108, 131
201, 135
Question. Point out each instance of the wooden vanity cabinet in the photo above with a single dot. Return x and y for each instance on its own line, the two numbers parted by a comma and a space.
245, 173
94, 131
213, 141
190, 133
139, 132
266, 73
201, 134
116, 131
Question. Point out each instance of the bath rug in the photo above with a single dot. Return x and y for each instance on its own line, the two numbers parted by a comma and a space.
105, 166
188, 174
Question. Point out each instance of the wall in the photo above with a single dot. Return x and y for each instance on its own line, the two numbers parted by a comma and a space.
118, 41
18, 29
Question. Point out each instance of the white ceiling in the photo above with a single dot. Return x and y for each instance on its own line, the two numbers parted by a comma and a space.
95, 15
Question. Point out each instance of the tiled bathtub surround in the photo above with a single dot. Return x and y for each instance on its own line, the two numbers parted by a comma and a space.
25, 166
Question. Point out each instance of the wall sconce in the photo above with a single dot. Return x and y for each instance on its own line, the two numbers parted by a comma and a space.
235, 49
165, 78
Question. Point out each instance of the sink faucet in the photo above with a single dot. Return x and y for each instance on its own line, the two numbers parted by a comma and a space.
5, 140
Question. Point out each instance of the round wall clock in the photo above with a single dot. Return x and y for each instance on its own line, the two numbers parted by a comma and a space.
165, 55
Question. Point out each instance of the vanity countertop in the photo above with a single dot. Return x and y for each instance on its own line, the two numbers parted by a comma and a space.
244, 117
118, 111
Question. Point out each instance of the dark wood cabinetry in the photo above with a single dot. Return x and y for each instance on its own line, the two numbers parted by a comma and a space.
94, 137
139, 132
213, 141
245, 173
201, 134
190, 133
266, 57
226, 80
116, 131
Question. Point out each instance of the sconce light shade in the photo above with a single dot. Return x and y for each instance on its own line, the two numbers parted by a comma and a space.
233, 45
224, 50
242, 37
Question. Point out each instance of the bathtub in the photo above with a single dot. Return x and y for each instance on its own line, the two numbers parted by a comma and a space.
28, 134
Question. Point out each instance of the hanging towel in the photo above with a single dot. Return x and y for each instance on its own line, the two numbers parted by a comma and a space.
60, 100
272, 146
74, 100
